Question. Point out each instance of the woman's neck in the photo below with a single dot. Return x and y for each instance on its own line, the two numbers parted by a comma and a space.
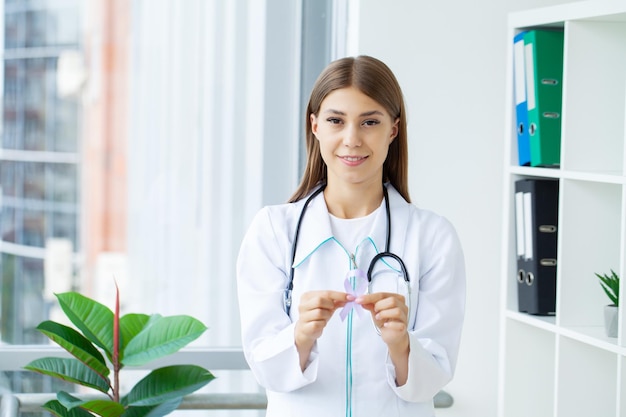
349, 202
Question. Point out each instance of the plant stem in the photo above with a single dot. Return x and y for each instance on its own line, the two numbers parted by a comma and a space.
116, 346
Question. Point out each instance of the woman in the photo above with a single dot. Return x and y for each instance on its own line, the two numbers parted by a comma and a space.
313, 336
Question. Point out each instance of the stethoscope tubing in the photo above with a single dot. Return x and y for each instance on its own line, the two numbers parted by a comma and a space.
376, 258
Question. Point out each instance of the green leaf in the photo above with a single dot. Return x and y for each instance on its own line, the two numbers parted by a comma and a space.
168, 383
154, 410
130, 326
90, 317
102, 407
161, 337
69, 369
56, 408
76, 344
610, 286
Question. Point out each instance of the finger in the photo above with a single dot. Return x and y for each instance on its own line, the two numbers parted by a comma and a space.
377, 297
316, 314
329, 300
393, 332
370, 298
395, 325
308, 331
396, 313
337, 296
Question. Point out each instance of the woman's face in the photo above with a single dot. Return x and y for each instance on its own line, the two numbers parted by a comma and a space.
354, 134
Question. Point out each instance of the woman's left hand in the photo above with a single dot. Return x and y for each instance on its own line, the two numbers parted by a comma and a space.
389, 312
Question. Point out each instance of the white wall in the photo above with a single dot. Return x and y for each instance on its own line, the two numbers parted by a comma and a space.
450, 58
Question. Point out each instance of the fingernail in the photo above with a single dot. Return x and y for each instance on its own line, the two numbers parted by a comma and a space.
350, 297
358, 300
377, 316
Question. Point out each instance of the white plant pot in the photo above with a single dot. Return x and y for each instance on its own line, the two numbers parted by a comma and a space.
610, 320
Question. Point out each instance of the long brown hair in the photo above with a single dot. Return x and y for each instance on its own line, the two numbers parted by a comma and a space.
374, 79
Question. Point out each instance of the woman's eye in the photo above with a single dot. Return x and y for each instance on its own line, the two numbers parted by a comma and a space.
371, 122
333, 120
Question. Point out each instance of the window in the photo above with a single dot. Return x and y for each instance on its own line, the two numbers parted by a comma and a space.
148, 171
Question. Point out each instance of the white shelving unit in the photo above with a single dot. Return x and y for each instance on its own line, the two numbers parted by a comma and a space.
564, 365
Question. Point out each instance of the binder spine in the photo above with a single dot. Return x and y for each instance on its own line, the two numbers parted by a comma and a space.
537, 262
543, 62
521, 108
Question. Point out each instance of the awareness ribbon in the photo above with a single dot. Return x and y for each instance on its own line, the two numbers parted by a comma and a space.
356, 290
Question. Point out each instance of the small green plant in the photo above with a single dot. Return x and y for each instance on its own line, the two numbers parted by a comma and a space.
610, 285
131, 340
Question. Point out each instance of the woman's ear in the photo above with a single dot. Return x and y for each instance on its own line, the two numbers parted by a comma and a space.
314, 125
394, 129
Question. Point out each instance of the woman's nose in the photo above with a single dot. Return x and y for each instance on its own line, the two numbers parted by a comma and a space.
351, 136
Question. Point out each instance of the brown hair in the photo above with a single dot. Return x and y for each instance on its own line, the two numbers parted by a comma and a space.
374, 79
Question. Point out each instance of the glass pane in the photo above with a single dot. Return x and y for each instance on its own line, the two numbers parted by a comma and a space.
13, 87
8, 224
35, 118
23, 307
37, 91
27, 218
62, 26
63, 182
33, 308
14, 30
64, 226
65, 126
34, 180
34, 231
35, 23
7, 178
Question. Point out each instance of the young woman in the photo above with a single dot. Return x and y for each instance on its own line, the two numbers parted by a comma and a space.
351, 297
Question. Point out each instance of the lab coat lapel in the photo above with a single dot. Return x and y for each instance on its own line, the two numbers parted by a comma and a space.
315, 229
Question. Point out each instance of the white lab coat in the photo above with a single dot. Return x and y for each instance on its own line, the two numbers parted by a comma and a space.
432, 253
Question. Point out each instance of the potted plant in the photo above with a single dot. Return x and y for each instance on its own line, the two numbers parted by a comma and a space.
610, 285
131, 340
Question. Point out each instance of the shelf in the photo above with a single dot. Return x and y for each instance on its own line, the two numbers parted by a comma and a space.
564, 365
605, 11
592, 336
609, 177
541, 322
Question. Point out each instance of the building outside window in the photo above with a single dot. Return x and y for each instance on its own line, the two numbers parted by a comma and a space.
39, 166
39, 163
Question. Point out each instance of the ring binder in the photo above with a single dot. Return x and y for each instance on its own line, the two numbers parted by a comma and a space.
543, 60
536, 260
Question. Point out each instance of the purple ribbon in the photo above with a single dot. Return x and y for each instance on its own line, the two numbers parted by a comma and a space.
358, 289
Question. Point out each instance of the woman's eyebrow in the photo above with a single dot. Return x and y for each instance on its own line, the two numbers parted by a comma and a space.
333, 111
372, 113
364, 114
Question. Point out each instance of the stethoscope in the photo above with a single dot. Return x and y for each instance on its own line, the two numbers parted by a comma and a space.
379, 256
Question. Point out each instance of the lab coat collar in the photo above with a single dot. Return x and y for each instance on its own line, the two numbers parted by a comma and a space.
315, 230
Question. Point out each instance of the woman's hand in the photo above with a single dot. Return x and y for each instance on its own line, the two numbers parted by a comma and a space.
315, 309
390, 315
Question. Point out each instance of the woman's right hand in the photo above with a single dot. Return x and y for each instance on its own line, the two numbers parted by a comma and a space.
315, 309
